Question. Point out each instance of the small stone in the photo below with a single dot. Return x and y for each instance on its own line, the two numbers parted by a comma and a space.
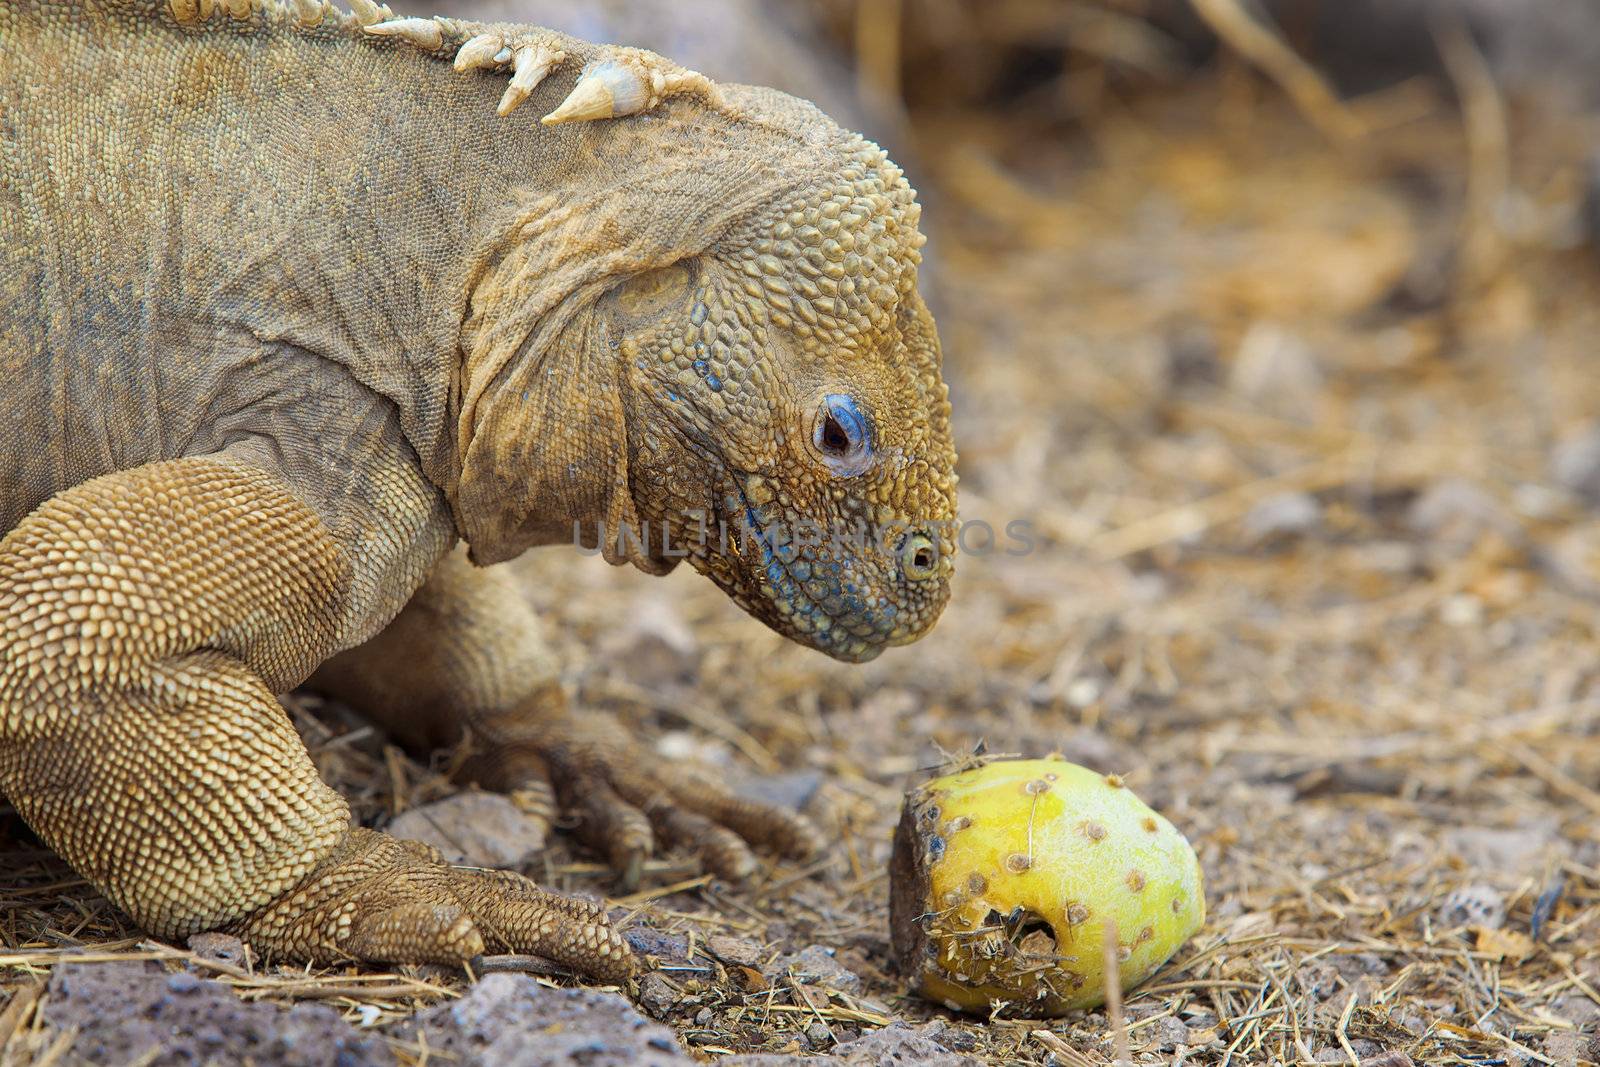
1580, 1011
1083, 692
1277, 370
1191, 349
648, 941
657, 995
474, 828
1461, 610
817, 964
510, 1018
793, 790
221, 948
1473, 905
933, 1045
1454, 513
1574, 559
182, 982
1575, 463
655, 647
1352, 965
736, 950
1167, 1033
1282, 516
1507, 852
819, 1035
1566, 1047
1389, 557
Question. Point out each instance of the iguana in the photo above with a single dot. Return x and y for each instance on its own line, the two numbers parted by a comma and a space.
288, 308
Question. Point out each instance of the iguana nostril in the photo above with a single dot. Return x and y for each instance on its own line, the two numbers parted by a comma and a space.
919, 557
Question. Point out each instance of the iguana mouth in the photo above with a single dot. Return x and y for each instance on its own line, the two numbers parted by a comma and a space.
817, 595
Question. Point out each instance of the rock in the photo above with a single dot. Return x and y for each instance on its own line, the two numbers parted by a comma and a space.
1352, 965
1511, 851
1277, 371
126, 1011
222, 948
657, 994
819, 1036
510, 1018
1191, 349
474, 828
1567, 1047
793, 790
183, 982
1473, 905
1389, 557
655, 647
736, 950
1580, 1011
1167, 1033
1575, 464
1455, 513
934, 1044
817, 964
648, 941
929, 1045
1283, 515
1573, 560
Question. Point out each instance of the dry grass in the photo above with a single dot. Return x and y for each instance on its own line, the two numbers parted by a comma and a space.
1188, 310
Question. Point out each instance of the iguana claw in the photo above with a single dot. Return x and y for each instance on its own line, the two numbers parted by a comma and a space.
529, 64
310, 12
426, 34
622, 81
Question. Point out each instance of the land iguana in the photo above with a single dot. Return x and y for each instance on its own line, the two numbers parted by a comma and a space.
289, 307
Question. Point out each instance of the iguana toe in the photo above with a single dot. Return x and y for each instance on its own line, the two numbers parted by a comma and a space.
627, 801
381, 899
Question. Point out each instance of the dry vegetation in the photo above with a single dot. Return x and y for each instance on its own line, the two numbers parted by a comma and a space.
1286, 416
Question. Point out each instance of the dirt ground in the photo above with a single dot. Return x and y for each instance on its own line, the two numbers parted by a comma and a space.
1305, 432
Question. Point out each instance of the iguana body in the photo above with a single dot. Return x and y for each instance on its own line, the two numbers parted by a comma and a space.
287, 310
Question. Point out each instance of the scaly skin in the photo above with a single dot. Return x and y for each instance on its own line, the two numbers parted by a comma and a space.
287, 309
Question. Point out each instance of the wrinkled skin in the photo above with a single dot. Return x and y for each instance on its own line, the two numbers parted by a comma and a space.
254, 397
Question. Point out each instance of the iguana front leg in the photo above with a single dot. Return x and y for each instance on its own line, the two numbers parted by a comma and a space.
146, 620
466, 655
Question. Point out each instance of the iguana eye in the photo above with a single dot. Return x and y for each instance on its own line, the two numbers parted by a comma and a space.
842, 435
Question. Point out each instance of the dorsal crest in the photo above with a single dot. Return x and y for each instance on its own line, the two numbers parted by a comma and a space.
616, 81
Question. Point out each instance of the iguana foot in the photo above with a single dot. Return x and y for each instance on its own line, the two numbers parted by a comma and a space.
626, 800
379, 899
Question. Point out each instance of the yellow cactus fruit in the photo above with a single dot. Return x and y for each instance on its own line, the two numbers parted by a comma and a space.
1005, 875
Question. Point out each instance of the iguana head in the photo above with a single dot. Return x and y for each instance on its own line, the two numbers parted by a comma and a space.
785, 384
760, 378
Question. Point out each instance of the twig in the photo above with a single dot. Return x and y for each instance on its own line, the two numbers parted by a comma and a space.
1343, 1032
1483, 113
1114, 1014
1266, 50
